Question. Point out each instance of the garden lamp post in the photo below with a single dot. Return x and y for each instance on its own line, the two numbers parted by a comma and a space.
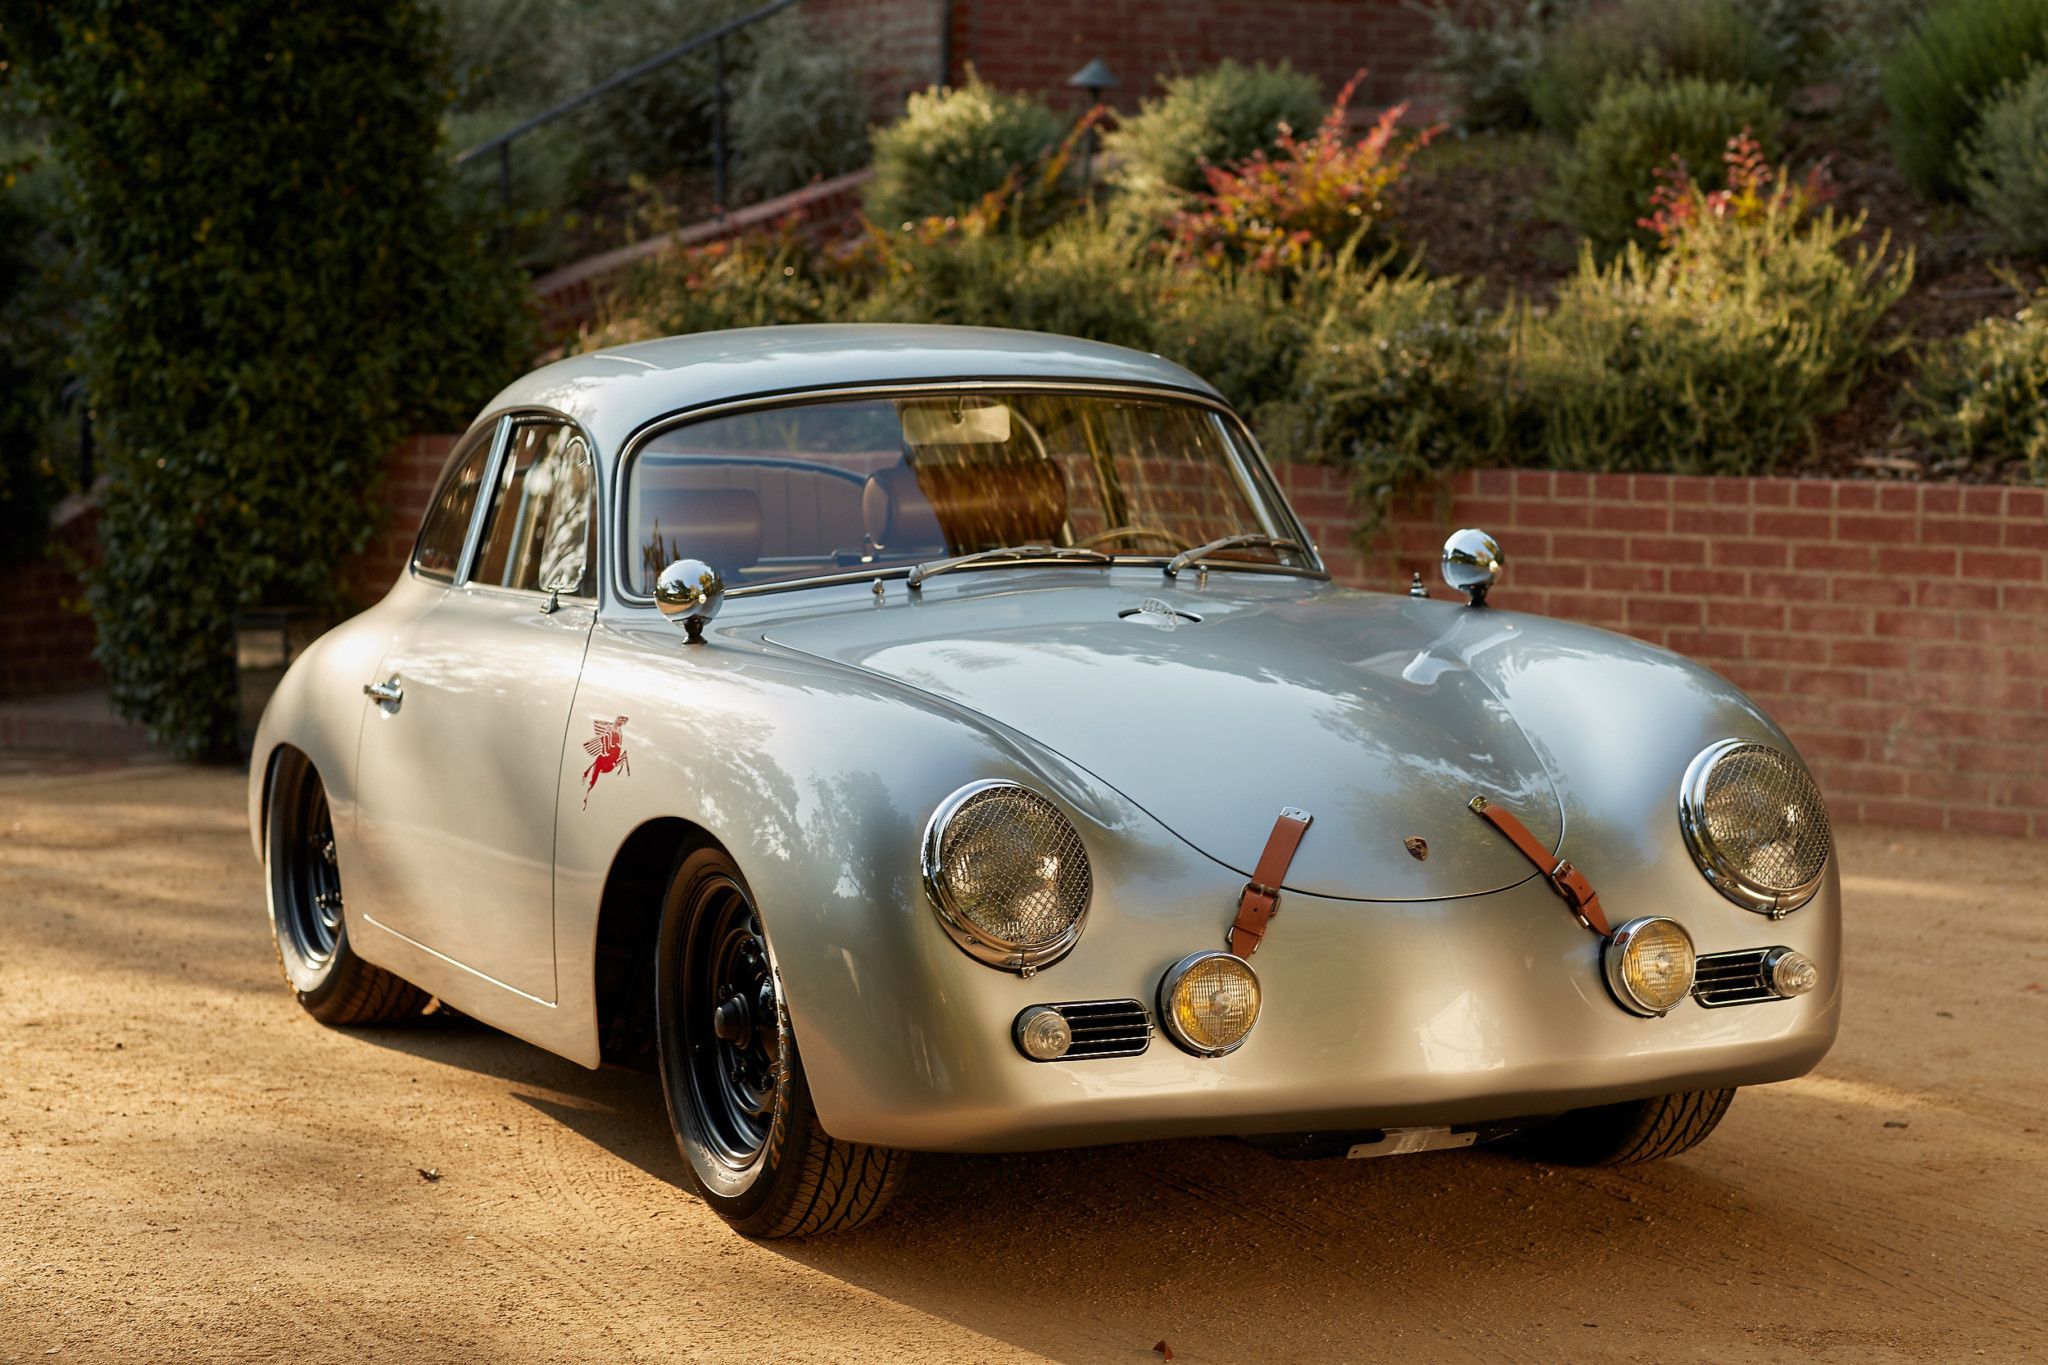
1095, 78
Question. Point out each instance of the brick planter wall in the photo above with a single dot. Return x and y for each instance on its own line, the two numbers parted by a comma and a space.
1898, 632
409, 476
46, 638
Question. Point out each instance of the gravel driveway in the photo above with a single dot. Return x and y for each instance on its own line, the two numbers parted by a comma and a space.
190, 1168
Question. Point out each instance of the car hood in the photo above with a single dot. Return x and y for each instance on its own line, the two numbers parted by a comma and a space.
1212, 709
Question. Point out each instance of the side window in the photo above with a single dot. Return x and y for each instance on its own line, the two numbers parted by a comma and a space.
438, 551
541, 534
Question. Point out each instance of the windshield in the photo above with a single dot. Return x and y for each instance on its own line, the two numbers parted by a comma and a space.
832, 487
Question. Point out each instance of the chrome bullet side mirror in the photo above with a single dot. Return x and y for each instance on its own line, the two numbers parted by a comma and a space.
1472, 561
689, 593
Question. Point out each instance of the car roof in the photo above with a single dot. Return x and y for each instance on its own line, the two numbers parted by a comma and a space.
616, 391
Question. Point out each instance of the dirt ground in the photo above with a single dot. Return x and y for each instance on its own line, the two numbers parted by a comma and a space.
191, 1169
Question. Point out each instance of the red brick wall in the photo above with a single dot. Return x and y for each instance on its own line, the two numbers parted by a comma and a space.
46, 638
1898, 632
409, 478
1037, 46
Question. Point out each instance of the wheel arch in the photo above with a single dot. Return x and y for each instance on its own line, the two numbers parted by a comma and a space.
267, 783
628, 919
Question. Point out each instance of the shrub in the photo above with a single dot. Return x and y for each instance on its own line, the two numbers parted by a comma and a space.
1403, 378
1635, 130
1759, 43
1084, 277
759, 280
2005, 165
1219, 116
1953, 58
1982, 398
1280, 212
798, 114
281, 288
1487, 51
951, 148
1718, 356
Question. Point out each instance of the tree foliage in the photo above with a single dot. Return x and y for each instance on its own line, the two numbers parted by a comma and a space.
280, 283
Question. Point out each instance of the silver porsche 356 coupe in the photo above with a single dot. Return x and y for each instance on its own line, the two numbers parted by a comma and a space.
942, 739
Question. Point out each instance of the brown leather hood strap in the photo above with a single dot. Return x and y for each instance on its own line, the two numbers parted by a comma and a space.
1260, 899
1565, 879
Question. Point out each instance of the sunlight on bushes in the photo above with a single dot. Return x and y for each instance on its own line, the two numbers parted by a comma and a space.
1981, 400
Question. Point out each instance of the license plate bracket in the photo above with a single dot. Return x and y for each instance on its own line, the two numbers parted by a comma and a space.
1403, 1141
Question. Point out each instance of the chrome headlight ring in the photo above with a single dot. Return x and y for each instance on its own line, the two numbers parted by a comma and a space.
1779, 874
956, 871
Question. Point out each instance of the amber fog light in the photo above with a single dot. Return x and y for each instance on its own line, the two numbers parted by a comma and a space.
1650, 965
1790, 973
1209, 1002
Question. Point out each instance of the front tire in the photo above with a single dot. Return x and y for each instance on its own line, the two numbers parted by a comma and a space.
302, 872
737, 1099
1630, 1133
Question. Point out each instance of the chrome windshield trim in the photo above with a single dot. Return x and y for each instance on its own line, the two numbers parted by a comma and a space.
1244, 453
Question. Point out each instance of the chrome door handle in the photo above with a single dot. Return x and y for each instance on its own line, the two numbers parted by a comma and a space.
389, 693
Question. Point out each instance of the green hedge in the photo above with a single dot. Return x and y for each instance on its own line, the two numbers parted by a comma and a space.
281, 287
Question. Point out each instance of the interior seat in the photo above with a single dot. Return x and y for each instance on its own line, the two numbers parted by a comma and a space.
965, 507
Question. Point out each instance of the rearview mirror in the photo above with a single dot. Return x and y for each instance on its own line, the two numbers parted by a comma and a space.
689, 593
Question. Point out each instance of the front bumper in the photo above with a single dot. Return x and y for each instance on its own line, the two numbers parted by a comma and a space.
1375, 1015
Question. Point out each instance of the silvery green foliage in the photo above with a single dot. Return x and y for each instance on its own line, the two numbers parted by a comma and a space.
800, 113
1981, 399
1487, 50
952, 146
1213, 118
2005, 165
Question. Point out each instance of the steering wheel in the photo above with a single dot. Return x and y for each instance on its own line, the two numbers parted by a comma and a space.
1152, 533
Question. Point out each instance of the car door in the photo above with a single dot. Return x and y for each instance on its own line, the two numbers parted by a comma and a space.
461, 751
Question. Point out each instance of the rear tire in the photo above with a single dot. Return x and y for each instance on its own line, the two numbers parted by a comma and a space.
302, 873
737, 1099
1630, 1133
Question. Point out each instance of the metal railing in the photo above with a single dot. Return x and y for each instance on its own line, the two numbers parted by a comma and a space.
713, 38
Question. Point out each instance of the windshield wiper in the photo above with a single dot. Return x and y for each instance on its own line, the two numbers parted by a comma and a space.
1001, 554
1246, 540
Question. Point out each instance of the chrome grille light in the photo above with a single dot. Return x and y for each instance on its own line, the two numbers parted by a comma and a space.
1096, 1028
1752, 976
1755, 823
1007, 874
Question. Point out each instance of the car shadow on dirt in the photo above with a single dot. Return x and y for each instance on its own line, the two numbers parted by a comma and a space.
1068, 1253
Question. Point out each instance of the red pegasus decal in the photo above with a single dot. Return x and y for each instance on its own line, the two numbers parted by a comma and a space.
607, 752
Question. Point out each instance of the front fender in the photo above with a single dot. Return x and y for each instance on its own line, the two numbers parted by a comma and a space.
819, 781
1617, 722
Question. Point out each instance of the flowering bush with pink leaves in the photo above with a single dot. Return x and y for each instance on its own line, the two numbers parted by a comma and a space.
1307, 199
1758, 203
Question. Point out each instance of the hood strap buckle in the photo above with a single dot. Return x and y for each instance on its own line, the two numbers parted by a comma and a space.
1260, 899
1566, 880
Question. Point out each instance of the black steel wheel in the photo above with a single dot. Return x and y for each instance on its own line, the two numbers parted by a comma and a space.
308, 912
737, 1099
734, 1047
